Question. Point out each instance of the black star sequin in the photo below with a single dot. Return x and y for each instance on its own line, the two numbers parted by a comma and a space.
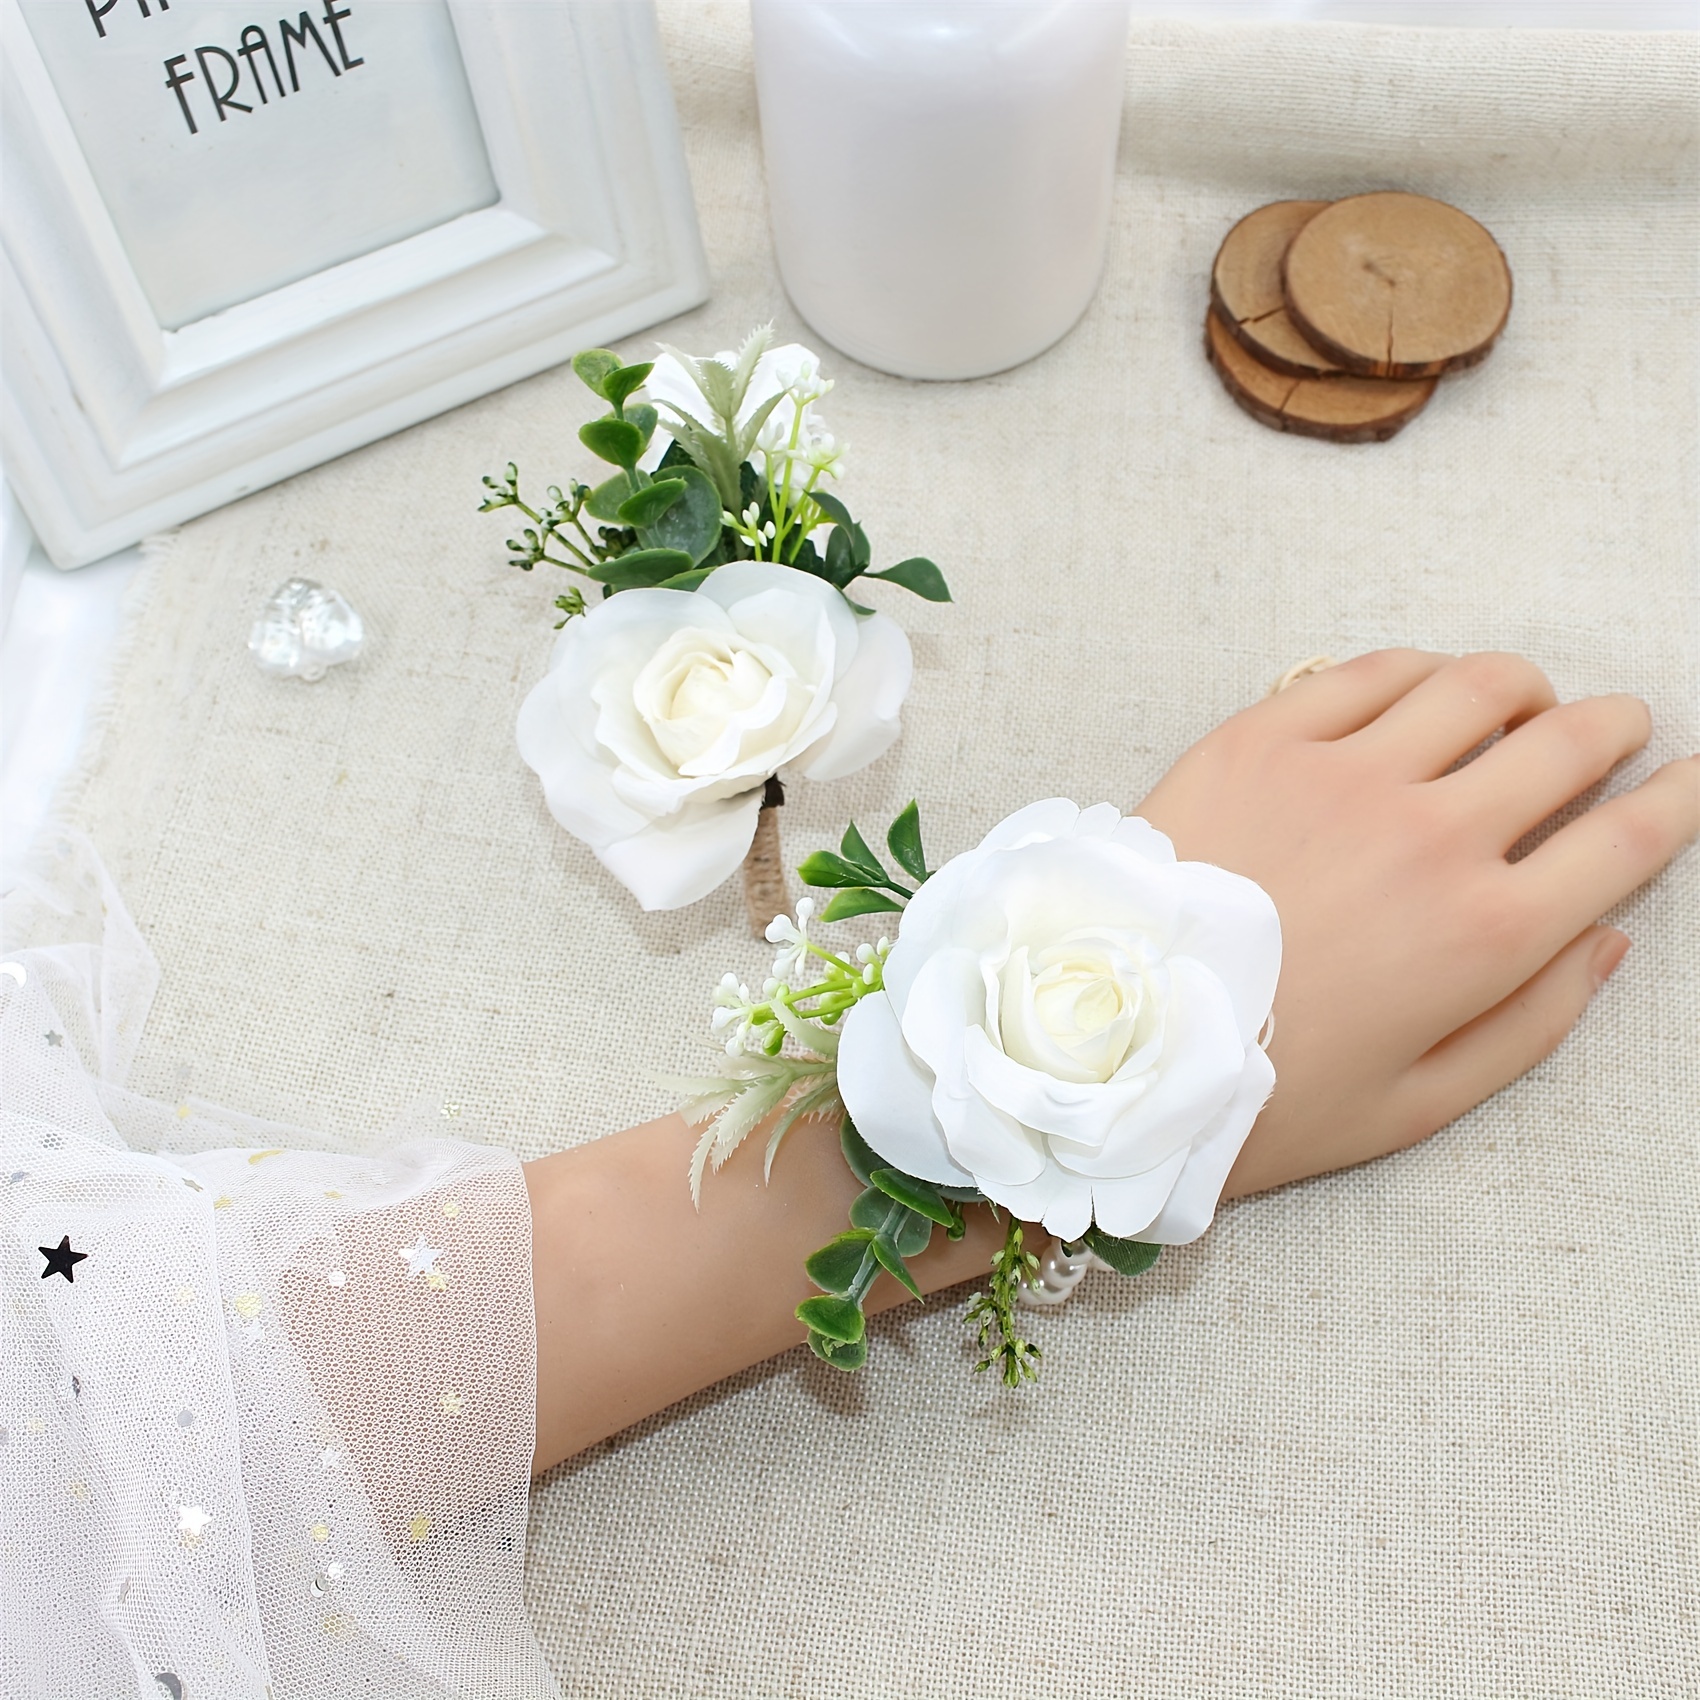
61, 1260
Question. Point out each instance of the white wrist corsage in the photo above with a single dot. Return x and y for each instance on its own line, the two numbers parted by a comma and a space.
727, 644
1069, 1028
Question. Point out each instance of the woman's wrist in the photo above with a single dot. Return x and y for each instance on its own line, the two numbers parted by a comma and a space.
641, 1299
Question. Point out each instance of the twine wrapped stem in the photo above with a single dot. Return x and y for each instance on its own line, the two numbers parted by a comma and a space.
765, 892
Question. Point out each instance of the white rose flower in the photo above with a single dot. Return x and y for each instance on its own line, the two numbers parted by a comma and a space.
664, 713
1070, 1023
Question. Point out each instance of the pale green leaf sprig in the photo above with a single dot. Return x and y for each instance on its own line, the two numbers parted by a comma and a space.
759, 1075
721, 444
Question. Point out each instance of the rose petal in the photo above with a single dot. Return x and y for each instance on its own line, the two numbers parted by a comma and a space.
600, 657
946, 1007
739, 581
946, 1001
1098, 821
991, 1144
949, 912
674, 862
1059, 1201
1138, 834
1125, 1204
577, 785
1230, 925
1081, 1112
888, 1094
869, 694
1055, 817
1200, 1066
1191, 1206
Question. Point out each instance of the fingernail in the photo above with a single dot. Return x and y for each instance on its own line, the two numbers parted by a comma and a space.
1610, 954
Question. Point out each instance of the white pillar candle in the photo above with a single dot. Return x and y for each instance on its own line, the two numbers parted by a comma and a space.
939, 173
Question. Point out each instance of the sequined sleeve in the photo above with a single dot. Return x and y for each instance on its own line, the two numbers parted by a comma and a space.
267, 1411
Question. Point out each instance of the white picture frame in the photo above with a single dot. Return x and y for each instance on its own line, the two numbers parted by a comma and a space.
114, 426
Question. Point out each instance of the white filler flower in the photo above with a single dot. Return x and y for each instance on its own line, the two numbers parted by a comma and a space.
665, 712
1070, 1023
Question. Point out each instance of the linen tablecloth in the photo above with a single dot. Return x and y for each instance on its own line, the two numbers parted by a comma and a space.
1427, 1428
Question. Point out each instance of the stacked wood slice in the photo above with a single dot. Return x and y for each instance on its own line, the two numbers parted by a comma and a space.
1337, 319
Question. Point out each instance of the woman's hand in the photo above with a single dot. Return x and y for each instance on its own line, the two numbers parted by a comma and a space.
1422, 970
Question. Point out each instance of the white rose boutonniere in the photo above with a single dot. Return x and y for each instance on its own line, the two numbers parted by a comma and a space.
1069, 1027
731, 646
665, 711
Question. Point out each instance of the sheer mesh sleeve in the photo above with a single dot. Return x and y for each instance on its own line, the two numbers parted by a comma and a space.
268, 1409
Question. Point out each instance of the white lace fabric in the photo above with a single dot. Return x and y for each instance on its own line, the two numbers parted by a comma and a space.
273, 1437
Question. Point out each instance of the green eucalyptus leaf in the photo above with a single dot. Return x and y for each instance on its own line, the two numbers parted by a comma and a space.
642, 415
692, 522
860, 549
878, 1211
825, 869
808, 559
834, 509
640, 569
686, 581
854, 606
615, 440
859, 1155
920, 1196
919, 575
840, 562
841, 1354
1126, 1257
908, 1231
836, 1318
963, 1195
624, 379
647, 505
844, 905
904, 842
604, 501
836, 1265
914, 1234
595, 366
855, 850
871, 1209
886, 1254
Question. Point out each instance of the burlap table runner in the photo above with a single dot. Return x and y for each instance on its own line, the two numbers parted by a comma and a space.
1424, 1429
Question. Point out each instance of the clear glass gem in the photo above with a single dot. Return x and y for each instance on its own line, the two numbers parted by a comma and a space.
305, 629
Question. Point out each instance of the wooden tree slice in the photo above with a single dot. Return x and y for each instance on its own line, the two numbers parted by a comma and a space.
1245, 287
1341, 409
1397, 286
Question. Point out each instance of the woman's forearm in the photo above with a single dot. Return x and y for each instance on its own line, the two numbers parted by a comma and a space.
642, 1299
